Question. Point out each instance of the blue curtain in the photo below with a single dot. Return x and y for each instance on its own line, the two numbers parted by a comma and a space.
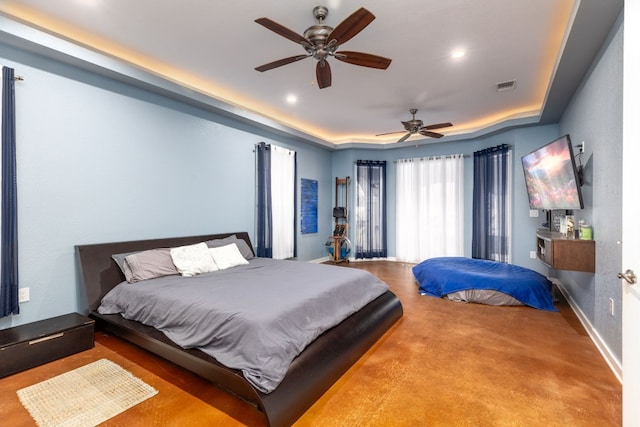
491, 237
264, 236
9, 215
371, 209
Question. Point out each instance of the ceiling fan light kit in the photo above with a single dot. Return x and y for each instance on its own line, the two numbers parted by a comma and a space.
321, 41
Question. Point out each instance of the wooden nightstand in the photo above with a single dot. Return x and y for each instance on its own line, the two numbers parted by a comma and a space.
26, 346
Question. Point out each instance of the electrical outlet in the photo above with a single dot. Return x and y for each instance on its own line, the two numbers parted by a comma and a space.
23, 294
581, 147
534, 213
612, 307
533, 254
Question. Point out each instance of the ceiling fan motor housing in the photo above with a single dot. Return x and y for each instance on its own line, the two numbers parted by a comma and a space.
318, 35
412, 125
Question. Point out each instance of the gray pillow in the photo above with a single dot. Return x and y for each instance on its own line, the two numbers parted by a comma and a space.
119, 259
244, 248
143, 265
150, 264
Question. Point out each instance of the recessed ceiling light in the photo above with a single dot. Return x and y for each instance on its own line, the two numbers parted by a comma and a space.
458, 53
292, 99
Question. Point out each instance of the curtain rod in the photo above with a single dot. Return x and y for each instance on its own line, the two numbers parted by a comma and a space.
497, 147
449, 156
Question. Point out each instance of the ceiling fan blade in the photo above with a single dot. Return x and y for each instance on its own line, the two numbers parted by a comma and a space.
404, 138
436, 126
363, 59
281, 62
391, 133
323, 74
283, 31
431, 134
351, 26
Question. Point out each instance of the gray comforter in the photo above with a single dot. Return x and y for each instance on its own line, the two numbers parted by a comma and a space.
256, 318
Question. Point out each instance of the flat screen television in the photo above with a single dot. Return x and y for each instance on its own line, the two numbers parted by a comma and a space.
552, 178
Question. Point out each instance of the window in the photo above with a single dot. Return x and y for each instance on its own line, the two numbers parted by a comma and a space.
275, 215
429, 207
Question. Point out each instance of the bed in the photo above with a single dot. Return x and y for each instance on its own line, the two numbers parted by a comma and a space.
483, 281
321, 362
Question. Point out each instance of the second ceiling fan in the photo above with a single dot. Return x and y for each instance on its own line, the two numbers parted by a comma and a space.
322, 41
414, 126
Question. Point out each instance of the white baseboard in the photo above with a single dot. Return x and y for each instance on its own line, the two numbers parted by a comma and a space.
609, 357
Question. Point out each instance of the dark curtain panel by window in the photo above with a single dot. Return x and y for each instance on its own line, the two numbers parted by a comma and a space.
9, 234
371, 213
295, 203
491, 204
264, 237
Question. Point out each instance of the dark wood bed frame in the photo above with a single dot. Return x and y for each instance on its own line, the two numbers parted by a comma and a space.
309, 376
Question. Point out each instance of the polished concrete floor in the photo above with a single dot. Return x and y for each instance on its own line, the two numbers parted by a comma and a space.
443, 364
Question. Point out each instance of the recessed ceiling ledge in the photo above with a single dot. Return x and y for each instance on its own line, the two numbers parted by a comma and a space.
33, 40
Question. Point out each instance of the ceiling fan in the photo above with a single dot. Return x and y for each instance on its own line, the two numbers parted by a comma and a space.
414, 126
322, 41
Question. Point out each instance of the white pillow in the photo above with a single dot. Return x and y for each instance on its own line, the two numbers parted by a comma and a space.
193, 259
227, 256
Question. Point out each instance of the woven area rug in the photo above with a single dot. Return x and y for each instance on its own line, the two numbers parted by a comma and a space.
85, 396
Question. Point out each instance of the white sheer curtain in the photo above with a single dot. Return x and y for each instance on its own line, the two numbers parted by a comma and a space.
283, 167
429, 207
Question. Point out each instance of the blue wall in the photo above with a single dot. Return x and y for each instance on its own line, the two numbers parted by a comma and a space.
595, 117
